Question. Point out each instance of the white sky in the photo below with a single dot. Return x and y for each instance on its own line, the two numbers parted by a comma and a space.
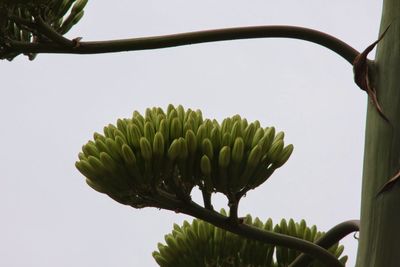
50, 107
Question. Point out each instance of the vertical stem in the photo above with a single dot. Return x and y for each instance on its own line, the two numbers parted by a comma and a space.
233, 212
207, 199
379, 241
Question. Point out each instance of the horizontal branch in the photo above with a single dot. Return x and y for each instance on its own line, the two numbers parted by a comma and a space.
156, 42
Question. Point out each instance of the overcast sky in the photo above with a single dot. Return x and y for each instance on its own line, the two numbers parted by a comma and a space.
50, 107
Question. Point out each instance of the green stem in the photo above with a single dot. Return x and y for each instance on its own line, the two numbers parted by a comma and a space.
329, 239
155, 42
379, 240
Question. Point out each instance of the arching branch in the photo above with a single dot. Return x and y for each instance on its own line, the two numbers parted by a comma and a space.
213, 217
157, 42
330, 238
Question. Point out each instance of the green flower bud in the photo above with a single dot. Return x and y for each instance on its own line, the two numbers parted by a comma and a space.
238, 149
191, 142
224, 157
236, 130
174, 150
170, 109
205, 165
158, 145
279, 136
128, 154
134, 136
248, 135
275, 151
149, 131
257, 137
107, 161
267, 139
98, 136
284, 156
175, 129
183, 154
255, 156
226, 139
90, 149
216, 137
85, 168
207, 148
145, 148
113, 149
96, 164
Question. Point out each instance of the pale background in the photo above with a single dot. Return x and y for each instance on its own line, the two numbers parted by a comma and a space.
50, 107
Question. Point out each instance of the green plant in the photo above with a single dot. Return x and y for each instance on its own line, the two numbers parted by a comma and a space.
26, 29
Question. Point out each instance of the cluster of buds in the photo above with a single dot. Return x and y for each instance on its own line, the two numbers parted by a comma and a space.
30, 21
169, 153
202, 244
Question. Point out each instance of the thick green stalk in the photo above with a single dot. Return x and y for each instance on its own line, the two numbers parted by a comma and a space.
379, 243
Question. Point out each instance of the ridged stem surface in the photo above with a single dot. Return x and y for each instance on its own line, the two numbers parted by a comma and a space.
379, 243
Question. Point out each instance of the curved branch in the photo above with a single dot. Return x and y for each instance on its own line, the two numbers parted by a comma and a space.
247, 231
156, 42
330, 238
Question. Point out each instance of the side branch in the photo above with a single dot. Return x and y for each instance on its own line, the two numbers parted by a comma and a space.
156, 42
247, 231
330, 238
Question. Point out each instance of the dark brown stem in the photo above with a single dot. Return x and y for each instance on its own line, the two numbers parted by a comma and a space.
156, 42
170, 202
330, 238
207, 199
267, 237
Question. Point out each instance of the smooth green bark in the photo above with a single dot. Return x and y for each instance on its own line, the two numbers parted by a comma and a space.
379, 243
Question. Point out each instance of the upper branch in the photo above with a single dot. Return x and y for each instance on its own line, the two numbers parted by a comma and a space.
156, 42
